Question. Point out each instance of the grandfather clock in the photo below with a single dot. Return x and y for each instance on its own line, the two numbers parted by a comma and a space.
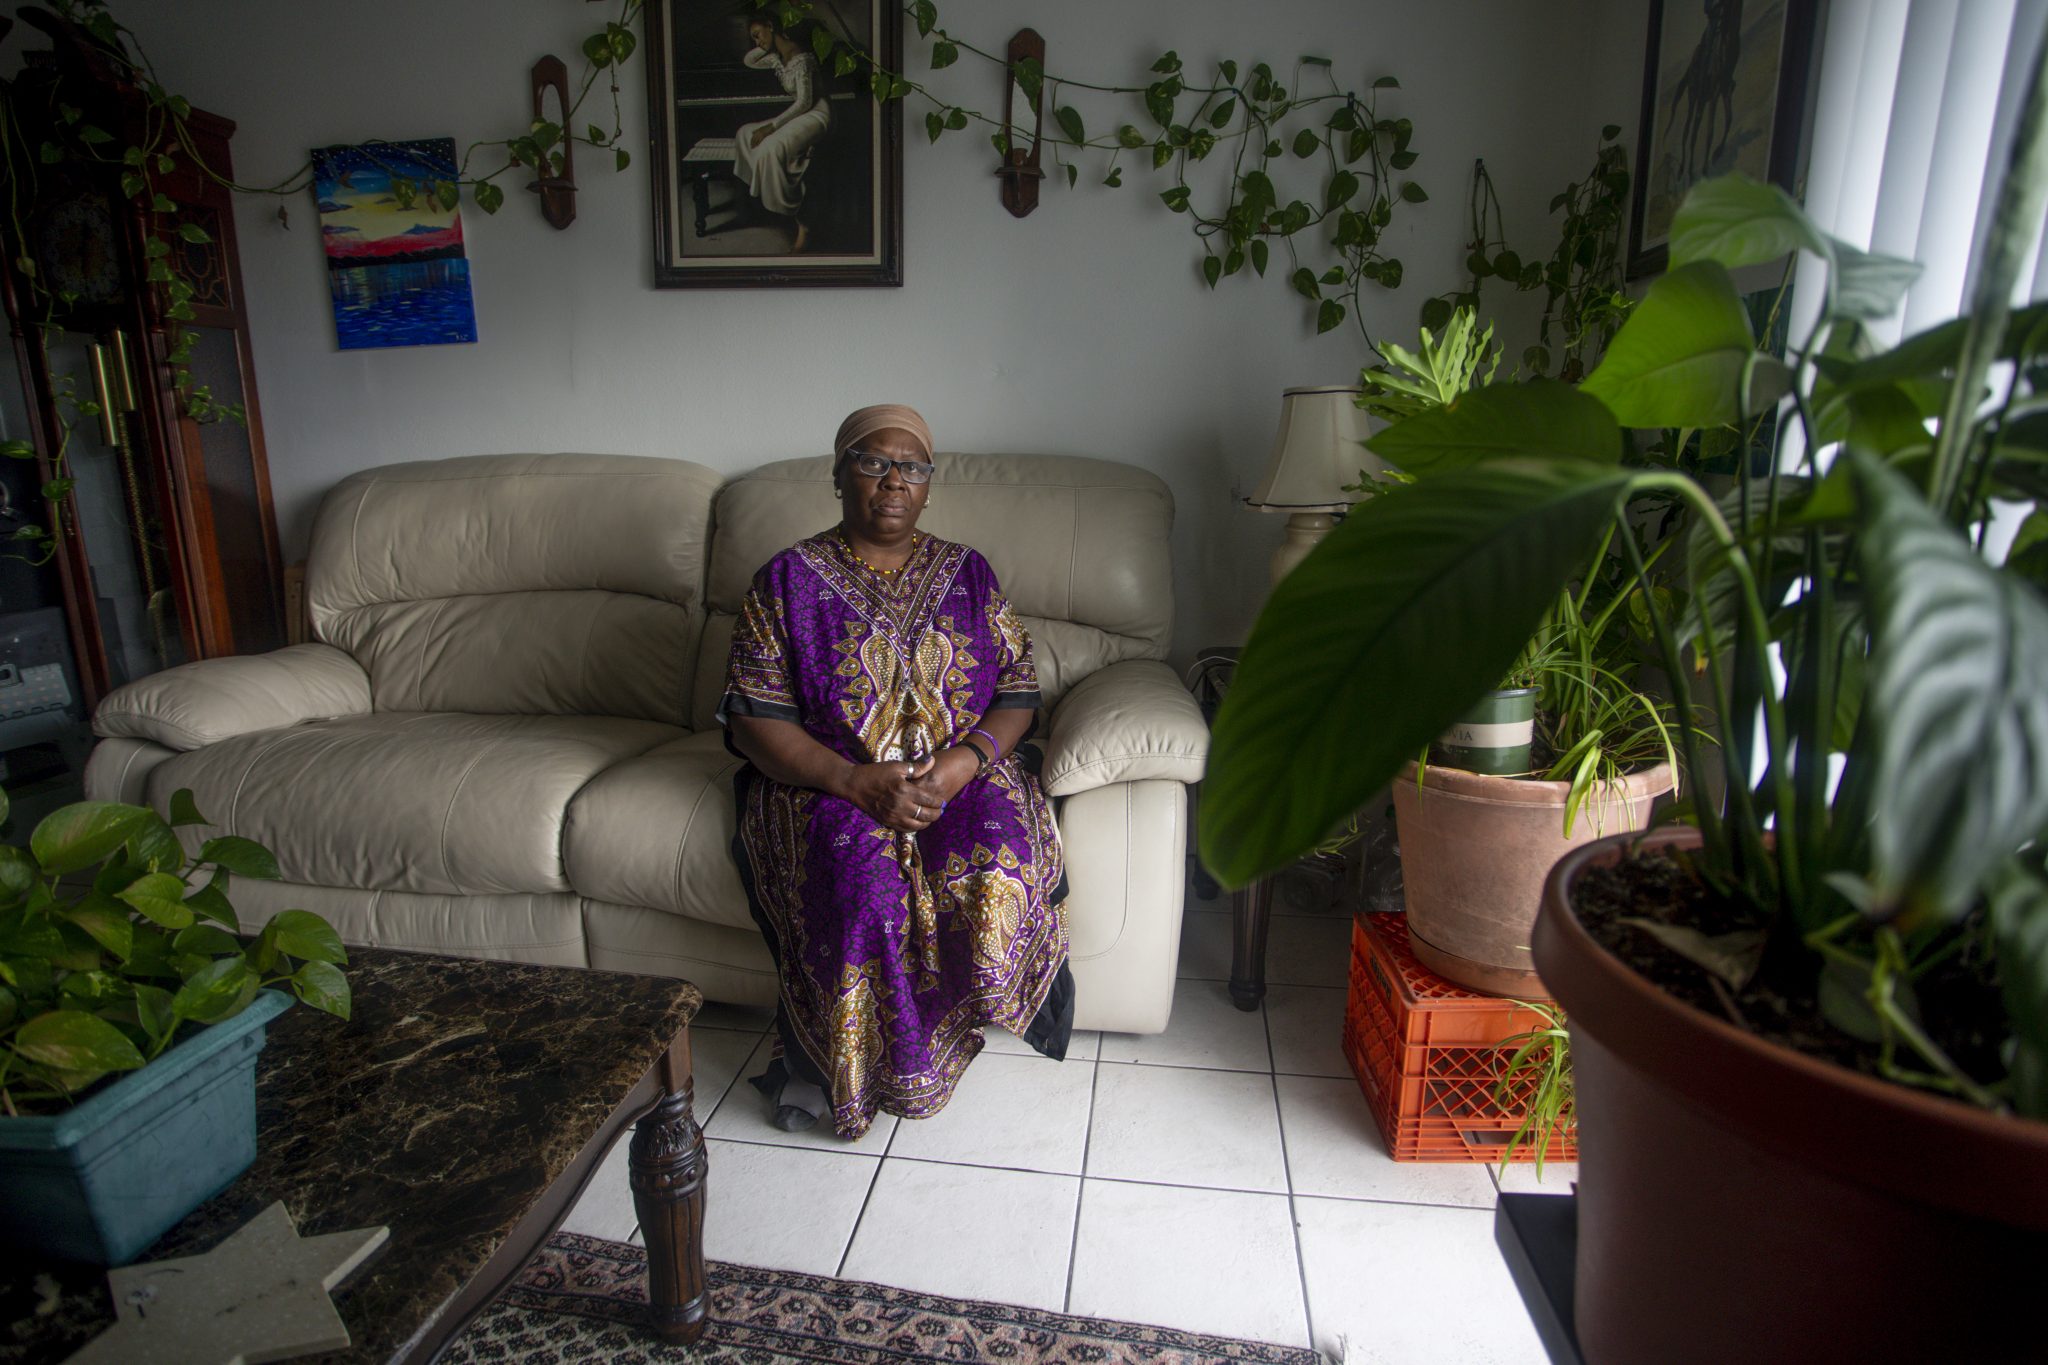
167, 550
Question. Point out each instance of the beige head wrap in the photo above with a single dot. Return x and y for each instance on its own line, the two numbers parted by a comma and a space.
865, 422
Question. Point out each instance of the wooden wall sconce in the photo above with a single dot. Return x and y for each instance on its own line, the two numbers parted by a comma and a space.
1023, 117
557, 192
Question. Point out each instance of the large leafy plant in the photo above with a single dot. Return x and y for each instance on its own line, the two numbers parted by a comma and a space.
109, 952
1883, 688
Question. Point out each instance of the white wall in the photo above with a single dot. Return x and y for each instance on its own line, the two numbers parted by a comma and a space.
1082, 329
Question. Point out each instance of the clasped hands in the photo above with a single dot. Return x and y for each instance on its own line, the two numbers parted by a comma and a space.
908, 794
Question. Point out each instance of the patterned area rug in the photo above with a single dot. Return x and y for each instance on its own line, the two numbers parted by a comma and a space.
581, 1300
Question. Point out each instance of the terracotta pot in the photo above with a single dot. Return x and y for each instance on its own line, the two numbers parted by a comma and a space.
1474, 852
1741, 1201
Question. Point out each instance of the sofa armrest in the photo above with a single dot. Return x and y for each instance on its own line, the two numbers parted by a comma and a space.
1127, 721
196, 704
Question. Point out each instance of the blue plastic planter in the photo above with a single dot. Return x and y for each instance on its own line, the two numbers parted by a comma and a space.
101, 1181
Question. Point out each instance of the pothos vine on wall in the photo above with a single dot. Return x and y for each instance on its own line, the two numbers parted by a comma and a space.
1584, 301
33, 141
1273, 131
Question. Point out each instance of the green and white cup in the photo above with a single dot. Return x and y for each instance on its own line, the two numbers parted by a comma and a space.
1495, 736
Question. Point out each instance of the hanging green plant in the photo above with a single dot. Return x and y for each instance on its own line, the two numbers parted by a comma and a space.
1316, 175
1584, 301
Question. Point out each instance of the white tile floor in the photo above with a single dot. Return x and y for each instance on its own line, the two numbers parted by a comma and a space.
1223, 1176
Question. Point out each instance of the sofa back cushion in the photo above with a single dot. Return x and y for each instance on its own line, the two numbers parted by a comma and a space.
1080, 546
518, 584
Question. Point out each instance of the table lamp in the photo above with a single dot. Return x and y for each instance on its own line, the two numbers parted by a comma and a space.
1317, 452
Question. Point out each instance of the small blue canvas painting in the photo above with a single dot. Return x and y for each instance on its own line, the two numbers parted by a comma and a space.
397, 273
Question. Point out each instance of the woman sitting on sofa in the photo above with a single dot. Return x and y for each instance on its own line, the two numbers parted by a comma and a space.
897, 851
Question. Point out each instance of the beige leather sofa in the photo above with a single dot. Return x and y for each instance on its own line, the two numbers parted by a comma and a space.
502, 743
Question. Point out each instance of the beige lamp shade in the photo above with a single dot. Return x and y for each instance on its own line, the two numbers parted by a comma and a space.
1317, 452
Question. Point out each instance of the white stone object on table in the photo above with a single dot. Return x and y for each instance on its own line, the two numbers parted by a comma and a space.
260, 1295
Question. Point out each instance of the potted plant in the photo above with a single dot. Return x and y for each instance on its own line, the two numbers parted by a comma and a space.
1810, 1031
1565, 747
130, 1020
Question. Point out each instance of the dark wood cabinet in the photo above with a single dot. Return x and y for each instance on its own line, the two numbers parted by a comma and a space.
167, 548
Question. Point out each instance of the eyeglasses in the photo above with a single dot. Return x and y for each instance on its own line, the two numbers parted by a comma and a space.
876, 466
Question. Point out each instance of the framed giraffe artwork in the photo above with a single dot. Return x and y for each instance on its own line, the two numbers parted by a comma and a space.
1724, 89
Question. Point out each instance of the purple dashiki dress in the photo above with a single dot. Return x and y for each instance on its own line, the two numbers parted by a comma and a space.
894, 949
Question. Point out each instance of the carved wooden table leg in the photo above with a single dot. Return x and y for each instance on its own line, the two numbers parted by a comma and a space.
1248, 944
667, 1162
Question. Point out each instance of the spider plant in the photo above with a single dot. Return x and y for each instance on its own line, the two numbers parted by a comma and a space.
1537, 1079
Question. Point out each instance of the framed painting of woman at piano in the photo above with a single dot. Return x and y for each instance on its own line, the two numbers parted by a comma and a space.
773, 166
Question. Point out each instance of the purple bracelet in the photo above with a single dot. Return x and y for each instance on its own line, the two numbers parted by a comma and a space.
993, 747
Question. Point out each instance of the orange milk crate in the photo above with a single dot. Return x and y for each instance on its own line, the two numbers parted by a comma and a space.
1428, 1055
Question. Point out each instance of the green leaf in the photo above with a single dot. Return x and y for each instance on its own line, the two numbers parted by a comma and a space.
956, 119
1958, 655
1127, 136
1738, 221
1069, 120
621, 159
2019, 924
243, 856
1358, 629
597, 49
926, 14
1329, 316
322, 987
1175, 198
211, 902
1680, 358
1259, 253
933, 125
106, 919
161, 897
623, 42
488, 196
153, 1010
72, 1040
1342, 186
1413, 193
1168, 63
1212, 269
1220, 115
1306, 142
81, 834
1401, 161
214, 991
1386, 83
184, 810
155, 847
944, 54
303, 934
92, 136
17, 871
1866, 286
1542, 418
205, 940
1115, 177
1073, 174
1304, 282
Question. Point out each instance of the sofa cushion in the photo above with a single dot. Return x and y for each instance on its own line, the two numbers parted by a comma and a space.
657, 830
530, 584
407, 801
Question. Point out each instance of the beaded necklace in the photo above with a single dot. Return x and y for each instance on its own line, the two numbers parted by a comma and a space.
847, 541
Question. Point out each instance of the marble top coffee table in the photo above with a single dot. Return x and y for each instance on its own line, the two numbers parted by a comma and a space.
464, 1106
